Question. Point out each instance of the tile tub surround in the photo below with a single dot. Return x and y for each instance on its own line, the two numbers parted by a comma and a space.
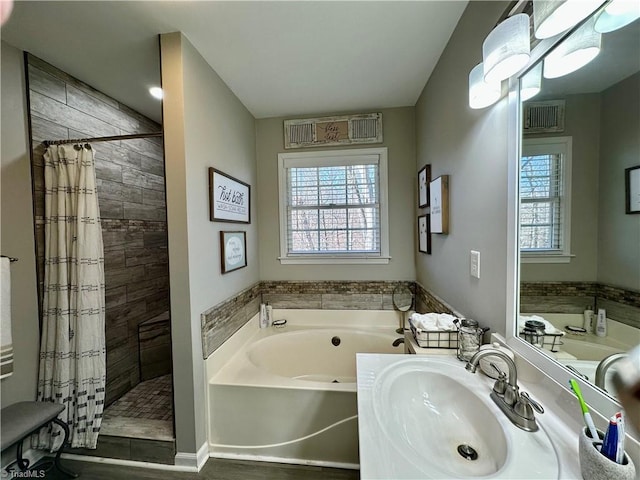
622, 305
130, 178
223, 320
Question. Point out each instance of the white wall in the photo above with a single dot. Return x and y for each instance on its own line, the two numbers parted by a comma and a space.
17, 235
205, 126
471, 147
399, 137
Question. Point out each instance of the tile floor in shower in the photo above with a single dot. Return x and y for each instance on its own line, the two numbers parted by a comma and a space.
145, 411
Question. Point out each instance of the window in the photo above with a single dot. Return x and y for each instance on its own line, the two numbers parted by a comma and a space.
333, 206
545, 199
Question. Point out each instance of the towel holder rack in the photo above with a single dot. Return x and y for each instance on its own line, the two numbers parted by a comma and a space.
11, 259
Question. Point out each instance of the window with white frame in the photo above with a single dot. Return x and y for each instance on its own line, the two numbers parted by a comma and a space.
333, 206
545, 199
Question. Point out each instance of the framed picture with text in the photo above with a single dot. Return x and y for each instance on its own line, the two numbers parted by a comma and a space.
439, 201
424, 234
233, 251
229, 198
424, 178
632, 189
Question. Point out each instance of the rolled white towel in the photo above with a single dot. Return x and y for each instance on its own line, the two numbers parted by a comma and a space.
425, 321
433, 321
445, 322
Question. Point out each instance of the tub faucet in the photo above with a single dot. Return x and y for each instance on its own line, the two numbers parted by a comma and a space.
518, 407
398, 341
604, 365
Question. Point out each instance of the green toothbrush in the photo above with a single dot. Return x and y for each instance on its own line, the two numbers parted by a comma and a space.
585, 410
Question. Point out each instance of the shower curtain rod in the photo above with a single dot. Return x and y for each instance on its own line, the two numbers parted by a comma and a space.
102, 139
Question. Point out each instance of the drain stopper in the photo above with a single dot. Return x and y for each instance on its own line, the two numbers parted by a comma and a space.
467, 451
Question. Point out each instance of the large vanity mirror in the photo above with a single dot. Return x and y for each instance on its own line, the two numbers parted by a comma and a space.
576, 246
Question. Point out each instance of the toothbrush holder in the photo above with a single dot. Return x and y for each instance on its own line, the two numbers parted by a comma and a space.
595, 466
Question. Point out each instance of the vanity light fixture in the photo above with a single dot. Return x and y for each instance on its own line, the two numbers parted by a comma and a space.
156, 92
553, 17
575, 52
531, 83
482, 93
617, 14
506, 49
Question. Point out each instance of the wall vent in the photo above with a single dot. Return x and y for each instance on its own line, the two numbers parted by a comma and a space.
324, 131
543, 117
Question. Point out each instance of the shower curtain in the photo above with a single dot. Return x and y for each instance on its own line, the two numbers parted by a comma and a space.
72, 346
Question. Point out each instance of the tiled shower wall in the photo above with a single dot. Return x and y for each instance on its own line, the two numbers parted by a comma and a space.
131, 195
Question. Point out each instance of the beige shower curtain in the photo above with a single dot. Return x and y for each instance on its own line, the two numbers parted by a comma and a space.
72, 348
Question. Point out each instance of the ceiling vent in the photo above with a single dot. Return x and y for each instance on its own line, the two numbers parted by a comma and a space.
325, 131
543, 117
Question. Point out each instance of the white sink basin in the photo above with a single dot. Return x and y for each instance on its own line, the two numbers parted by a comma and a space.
420, 410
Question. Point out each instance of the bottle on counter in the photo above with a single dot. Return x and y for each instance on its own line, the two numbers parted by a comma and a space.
588, 319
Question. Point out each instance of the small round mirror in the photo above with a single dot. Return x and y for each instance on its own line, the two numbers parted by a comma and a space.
402, 298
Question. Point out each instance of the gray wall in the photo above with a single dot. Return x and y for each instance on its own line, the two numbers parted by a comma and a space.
17, 235
471, 147
130, 179
399, 137
619, 233
205, 126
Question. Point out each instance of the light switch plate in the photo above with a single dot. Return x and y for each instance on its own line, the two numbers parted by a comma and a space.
475, 264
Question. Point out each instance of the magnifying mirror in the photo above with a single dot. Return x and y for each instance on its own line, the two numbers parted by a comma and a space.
402, 301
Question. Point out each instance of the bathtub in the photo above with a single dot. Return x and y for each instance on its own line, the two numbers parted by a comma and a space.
289, 394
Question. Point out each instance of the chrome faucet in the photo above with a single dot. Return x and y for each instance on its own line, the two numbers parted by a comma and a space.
518, 407
604, 365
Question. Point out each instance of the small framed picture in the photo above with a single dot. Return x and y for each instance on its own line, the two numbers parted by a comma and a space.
229, 198
632, 189
233, 251
424, 177
424, 234
439, 200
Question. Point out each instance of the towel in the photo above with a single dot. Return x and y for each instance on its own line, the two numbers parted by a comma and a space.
549, 329
6, 345
433, 321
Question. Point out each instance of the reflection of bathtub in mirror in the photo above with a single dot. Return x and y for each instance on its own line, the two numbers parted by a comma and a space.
583, 352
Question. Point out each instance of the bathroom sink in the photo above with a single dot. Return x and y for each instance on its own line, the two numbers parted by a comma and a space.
438, 418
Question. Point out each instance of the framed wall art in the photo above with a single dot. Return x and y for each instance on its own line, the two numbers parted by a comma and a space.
424, 177
233, 251
424, 234
632, 189
229, 198
439, 202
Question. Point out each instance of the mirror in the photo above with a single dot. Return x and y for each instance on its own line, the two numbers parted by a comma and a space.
403, 301
578, 247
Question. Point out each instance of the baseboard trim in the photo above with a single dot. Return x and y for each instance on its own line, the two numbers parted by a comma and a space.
291, 461
193, 460
128, 463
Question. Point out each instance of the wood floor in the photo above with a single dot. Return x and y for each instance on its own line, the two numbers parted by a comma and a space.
214, 469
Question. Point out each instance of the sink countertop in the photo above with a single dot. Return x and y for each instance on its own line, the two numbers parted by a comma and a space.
380, 459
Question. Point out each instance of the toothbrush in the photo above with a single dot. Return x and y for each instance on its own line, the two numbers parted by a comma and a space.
620, 450
585, 410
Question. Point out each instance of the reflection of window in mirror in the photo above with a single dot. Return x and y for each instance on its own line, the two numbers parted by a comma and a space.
545, 200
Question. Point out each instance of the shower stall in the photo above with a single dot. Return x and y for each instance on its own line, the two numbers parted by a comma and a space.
131, 196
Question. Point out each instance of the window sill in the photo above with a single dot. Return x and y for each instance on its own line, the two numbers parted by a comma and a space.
545, 257
334, 260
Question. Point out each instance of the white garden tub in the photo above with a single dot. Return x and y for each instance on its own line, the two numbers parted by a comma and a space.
289, 394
